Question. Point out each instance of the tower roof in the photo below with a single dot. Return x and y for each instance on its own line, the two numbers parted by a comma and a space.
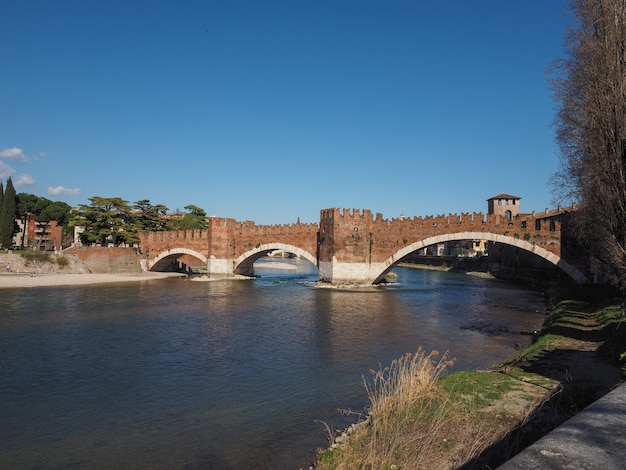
504, 196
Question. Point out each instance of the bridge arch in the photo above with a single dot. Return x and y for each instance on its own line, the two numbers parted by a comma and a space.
164, 257
556, 260
244, 264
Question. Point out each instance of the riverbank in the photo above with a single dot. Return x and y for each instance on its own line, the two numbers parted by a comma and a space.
481, 419
43, 269
17, 280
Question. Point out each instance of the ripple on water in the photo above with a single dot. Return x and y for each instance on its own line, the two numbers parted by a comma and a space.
179, 374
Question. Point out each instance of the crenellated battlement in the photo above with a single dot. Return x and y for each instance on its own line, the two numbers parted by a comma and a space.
249, 227
167, 236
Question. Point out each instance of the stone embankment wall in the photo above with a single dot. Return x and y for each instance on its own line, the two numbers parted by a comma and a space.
48, 263
103, 260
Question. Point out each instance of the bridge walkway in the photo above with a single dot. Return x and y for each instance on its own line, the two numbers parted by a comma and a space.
595, 438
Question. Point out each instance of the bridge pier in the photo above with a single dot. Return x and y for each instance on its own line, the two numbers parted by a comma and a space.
219, 267
335, 272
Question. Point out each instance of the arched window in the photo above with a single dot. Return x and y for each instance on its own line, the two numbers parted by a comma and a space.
507, 214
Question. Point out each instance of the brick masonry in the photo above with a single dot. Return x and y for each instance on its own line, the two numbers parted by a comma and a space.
107, 260
350, 245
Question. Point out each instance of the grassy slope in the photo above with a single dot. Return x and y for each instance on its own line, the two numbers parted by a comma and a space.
480, 419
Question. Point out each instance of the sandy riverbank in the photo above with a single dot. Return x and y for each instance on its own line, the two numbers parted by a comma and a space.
276, 265
11, 280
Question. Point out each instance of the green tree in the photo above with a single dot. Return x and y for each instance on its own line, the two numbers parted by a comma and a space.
42, 211
106, 220
8, 226
150, 217
57, 211
1, 206
27, 206
590, 87
194, 219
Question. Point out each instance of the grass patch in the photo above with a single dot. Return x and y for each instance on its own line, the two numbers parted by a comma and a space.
476, 390
31, 256
573, 324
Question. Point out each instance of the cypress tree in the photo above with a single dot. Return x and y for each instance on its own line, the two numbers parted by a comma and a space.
1, 207
9, 213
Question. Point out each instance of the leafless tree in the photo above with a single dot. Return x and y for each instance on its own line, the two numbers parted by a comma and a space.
590, 88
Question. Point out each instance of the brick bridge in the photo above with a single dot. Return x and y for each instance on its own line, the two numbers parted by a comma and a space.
353, 246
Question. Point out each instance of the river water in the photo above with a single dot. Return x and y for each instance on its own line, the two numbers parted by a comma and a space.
225, 375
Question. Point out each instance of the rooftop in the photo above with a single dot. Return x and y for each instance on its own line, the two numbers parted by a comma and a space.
503, 196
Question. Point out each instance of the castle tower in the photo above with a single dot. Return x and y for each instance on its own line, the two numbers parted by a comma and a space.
504, 205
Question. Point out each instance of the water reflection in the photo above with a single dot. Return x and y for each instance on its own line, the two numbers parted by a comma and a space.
229, 374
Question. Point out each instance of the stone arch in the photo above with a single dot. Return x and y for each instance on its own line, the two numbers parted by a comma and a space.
244, 264
175, 253
567, 268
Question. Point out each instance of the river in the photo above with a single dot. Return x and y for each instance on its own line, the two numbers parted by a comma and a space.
231, 374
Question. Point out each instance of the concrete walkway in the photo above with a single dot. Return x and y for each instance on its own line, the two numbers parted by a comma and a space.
595, 438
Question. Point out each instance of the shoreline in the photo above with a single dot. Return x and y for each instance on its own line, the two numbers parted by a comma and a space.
19, 280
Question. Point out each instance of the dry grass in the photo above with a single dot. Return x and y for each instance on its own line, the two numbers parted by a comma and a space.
408, 416
408, 410
418, 421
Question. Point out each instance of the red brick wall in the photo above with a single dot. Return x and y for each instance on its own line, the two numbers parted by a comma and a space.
352, 235
153, 243
107, 260
247, 236
358, 236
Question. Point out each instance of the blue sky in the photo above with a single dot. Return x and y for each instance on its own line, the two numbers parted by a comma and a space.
272, 110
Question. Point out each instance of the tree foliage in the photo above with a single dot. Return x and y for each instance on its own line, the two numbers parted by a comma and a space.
194, 219
106, 220
8, 227
42, 211
590, 87
1, 198
150, 217
115, 221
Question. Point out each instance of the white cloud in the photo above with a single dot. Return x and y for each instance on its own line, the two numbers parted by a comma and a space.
5, 170
14, 153
24, 180
61, 191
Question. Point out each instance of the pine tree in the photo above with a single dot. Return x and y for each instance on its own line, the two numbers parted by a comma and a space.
8, 216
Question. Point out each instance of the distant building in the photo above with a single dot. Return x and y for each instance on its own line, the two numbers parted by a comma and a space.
78, 230
463, 248
33, 237
504, 205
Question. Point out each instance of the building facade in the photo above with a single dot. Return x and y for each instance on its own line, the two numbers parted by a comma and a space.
33, 236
